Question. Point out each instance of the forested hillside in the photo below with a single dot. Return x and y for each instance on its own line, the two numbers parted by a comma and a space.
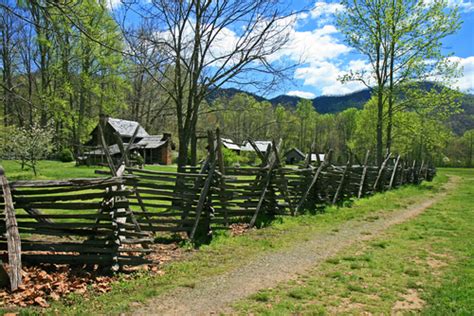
64, 65
459, 122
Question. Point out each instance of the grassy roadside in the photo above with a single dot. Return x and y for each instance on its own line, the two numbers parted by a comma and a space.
424, 265
226, 253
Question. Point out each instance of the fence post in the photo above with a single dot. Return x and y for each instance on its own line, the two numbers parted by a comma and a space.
381, 169
282, 183
207, 184
343, 178
326, 162
272, 160
394, 172
220, 159
105, 148
12, 235
364, 175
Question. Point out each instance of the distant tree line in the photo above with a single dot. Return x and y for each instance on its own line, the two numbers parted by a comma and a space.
65, 63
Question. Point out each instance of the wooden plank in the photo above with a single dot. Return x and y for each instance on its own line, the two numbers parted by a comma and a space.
125, 152
205, 189
282, 183
69, 205
37, 215
380, 173
342, 181
364, 174
271, 164
12, 235
105, 148
220, 160
313, 181
394, 172
83, 183
165, 173
75, 197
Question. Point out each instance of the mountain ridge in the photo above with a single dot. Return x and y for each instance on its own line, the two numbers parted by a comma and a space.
459, 123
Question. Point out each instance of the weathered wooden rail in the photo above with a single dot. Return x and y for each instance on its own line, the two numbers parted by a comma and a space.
111, 221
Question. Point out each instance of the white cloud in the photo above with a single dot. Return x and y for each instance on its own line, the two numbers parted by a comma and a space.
324, 12
324, 76
463, 5
112, 4
322, 8
466, 82
302, 94
310, 46
320, 52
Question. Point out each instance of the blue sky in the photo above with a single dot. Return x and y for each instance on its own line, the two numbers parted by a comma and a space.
322, 56
328, 57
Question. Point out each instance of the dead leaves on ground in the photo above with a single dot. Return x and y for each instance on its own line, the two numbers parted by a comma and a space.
45, 283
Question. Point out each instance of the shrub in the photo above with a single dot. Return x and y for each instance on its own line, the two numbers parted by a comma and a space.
65, 155
30, 145
230, 157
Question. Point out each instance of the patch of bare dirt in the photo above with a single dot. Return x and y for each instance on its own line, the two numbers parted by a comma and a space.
346, 305
164, 253
409, 301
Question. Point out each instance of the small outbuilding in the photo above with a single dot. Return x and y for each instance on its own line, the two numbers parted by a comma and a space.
294, 156
231, 145
314, 158
262, 145
153, 148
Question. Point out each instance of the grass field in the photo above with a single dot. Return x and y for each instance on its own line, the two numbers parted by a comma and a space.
425, 266
372, 277
48, 169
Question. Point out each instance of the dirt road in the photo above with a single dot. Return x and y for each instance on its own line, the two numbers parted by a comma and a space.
214, 295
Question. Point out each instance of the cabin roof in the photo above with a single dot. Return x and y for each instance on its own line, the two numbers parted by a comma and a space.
229, 144
299, 152
126, 127
152, 141
262, 145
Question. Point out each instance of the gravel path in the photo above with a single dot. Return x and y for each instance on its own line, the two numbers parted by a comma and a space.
214, 295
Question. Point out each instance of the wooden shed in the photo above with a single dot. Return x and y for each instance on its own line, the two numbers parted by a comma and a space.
231, 145
153, 148
294, 156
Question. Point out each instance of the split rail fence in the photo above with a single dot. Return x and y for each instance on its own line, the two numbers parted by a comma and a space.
112, 221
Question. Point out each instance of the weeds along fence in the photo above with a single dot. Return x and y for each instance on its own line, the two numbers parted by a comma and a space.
112, 221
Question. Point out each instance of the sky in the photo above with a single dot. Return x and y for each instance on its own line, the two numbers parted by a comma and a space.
328, 57
317, 47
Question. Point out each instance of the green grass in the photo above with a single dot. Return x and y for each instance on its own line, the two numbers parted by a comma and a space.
226, 253
430, 257
51, 170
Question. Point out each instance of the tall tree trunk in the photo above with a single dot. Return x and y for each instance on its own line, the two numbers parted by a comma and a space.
471, 145
379, 151
391, 88
193, 158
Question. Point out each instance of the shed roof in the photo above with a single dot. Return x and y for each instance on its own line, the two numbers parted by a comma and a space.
113, 150
299, 152
152, 141
229, 144
321, 157
262, 145
126, 127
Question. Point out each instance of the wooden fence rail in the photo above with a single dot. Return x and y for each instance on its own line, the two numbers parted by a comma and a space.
111, 221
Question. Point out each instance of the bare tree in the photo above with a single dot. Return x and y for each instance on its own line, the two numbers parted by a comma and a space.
203, 45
